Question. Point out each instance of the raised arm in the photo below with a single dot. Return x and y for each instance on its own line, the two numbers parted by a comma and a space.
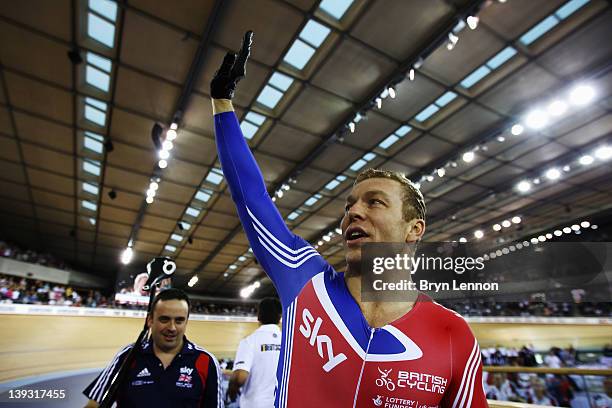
288, 260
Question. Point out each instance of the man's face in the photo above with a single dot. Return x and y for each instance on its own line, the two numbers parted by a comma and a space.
374, 213
168, 323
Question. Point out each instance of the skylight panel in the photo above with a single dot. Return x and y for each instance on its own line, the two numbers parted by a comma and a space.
280, 81
269, 97
295, 214
96, 103
314, 33
215, 176
105, 8
203, 195
335, 182
369, 156
170, 248
403, 130
100, 30
176, 237
445, 99
475, 77
358, 165
90, 188
248, 129
570, 8
185, 225
427, 113
91, 167
95, 115
97, 78
255, 118
539, 30
312, 200
92, 221
89, 205
99, 62
299, 54
335, 8
93, 142
501, 57
388, 142
193, 212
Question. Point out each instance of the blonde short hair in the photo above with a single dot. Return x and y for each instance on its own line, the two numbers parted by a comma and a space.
413, 202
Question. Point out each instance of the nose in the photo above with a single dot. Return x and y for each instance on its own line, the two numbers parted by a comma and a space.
356, 211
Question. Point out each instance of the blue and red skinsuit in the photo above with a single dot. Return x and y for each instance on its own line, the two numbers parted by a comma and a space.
330, 357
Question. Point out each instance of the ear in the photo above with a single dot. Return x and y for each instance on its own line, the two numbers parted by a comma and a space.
149, 320
415, 230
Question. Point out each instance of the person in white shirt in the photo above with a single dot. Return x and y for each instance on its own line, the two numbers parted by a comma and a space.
257, 358
551, 359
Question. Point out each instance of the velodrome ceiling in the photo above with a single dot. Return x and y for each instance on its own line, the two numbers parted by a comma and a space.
70, 133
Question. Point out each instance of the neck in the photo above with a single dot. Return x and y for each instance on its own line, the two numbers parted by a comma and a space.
379, 312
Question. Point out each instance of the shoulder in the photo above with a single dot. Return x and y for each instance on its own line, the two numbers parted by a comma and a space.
451, 320
201, 352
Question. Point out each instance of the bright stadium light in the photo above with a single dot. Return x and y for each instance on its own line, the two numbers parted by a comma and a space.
472, 22
586, 160
603, 153
536, 119
497, 227
557, 108
162, 164
581, 95
553, 174
516, 219
517, 129
585, 224
524, 186
468, 157
478, 234
126, 256
171, 135
506, 224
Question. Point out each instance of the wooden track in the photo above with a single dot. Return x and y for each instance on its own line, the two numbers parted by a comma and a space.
32, 345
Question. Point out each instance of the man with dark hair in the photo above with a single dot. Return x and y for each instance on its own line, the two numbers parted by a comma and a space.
337, 350
168, 370
257, 358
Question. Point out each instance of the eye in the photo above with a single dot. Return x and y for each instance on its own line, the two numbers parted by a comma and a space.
376, 201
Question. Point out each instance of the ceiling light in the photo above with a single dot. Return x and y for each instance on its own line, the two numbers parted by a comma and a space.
286, 187
497, 227
478, 234
594, 226
174, 126
553, 174
516, 220
162, 164
164, 154
468, 157
541, 238
536, 119
557, 233
536, 181
517, 129
326, 238
126, 256
549, 236
501, 139
392, 93
167, 145
567, 230
150, 193
379, 103
575, 227
171, 135
566, 168
452, 41
603, 153
149, 200
429, 178
524, 186
352, 127
462, 240
586, 160
472, 22
585, 224
582, 95
557, 108
441, 172
506, 224
320, 243
192, 281
534, 240
280, 193
153, 186
411, 74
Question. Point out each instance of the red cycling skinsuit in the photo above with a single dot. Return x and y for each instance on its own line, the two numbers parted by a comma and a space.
330, 357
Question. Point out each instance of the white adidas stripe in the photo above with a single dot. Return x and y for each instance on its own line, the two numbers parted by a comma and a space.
218, 369
271, 236
284, 262
307, 250
98, 390
474, 375
465, 374
287, 357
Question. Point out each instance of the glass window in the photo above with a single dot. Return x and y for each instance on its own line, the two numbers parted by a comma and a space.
299, 54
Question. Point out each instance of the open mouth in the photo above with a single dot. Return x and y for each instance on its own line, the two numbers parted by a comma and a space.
355, 235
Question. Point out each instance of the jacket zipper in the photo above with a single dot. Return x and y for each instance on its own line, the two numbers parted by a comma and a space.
372, 330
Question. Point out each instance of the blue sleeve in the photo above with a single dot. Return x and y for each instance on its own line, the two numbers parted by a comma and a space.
288, 259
